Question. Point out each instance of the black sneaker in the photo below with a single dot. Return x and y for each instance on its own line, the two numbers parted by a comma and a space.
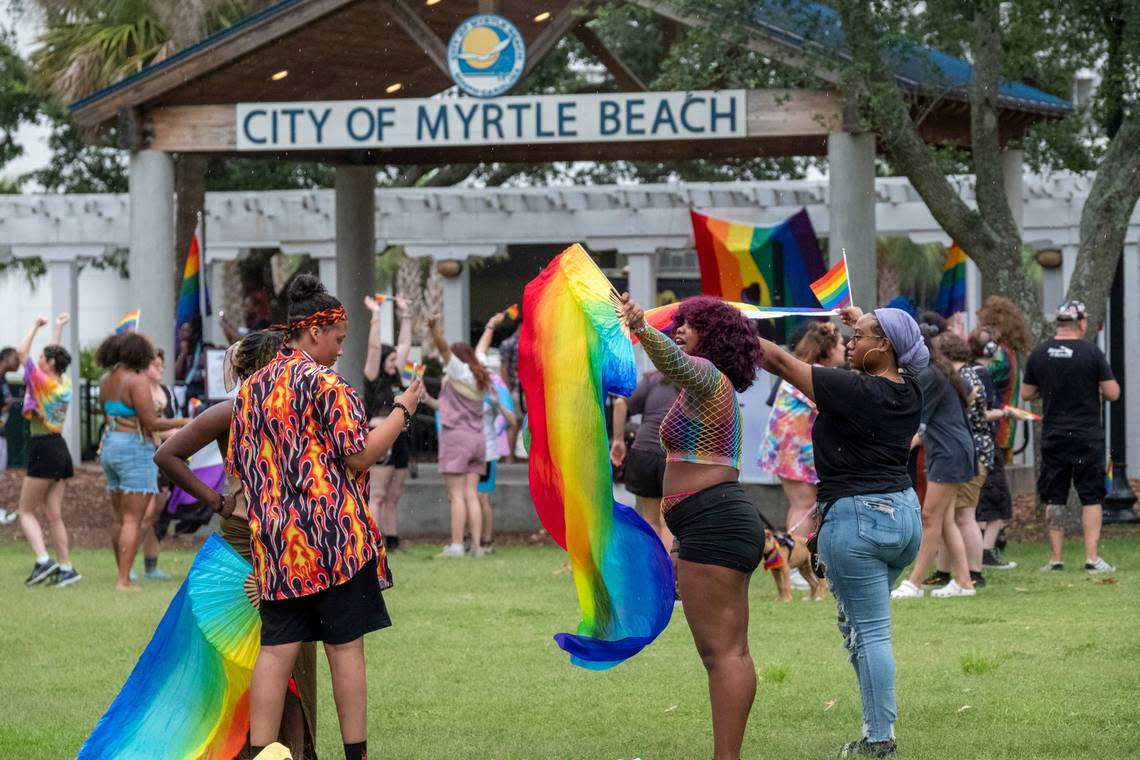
864, 748
1000, 543
978, 579
41, 572
992, 559
66, 577
937, 578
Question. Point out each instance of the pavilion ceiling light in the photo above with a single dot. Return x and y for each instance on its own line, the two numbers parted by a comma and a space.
278, 76
433, 2
544, 16
394, 87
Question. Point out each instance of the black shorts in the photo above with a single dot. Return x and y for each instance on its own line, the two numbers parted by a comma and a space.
718, 526
645, 473
1071, 460
48, 458
995, 501
337, 615
400, 455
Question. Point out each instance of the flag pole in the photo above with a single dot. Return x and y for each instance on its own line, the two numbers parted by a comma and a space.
847, 273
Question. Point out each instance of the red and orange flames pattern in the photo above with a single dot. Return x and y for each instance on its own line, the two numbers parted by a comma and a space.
294, 422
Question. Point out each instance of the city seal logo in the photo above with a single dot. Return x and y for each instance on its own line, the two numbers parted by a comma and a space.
486, 55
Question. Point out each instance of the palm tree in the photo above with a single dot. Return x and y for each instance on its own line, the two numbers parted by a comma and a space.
87, 45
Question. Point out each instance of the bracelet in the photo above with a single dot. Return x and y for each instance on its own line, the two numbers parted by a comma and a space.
407, 414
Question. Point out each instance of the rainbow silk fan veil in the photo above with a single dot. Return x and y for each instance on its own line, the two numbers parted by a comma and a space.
572, 353
188, 696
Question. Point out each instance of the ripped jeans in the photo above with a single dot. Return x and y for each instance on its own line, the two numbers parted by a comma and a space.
865, 543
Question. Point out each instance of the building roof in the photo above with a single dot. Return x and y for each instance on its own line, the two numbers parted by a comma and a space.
811, 27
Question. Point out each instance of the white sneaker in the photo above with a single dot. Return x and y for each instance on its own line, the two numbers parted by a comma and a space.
1099, 566
797, 579
953, 589
452, 550
8, 517
907, 590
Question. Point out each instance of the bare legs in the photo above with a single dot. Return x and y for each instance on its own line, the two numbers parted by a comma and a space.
716, 608
384, 501
49, 493
938, 528
488, 517
154, 508
131, 511
465, 510
966, 520
1091, 518
801, 501
270, 683
650, 511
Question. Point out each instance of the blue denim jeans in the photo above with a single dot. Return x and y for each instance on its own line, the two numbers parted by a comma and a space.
865, 543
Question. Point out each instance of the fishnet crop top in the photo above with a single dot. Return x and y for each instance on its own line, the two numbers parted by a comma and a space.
703, 425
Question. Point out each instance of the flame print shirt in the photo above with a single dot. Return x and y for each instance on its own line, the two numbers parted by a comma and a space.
294, 422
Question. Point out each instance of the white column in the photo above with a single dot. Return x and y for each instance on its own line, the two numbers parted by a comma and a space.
1012, 161
457, 305
326, 270
643, 289
388, 319
1132, 358
216, 282
355, 261
65, 298
152, 260
973, 293
851, 204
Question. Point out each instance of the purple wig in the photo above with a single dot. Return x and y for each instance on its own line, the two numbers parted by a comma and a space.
725, 337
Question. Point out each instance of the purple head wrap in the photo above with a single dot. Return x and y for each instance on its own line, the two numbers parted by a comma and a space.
905, 337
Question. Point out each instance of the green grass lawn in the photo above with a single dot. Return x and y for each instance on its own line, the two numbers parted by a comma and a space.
1037, 666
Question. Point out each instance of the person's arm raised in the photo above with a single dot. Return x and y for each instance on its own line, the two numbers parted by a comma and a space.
697, 377
57, 332
25, 347
488, 335
787, 367
372, 361
404, 339
435, 322
171, 457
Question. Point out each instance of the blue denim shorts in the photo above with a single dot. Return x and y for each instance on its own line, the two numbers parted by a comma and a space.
128, 463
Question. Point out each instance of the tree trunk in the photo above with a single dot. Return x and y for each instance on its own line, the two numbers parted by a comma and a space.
190, 200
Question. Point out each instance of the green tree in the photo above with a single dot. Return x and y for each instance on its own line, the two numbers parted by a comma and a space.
19, 103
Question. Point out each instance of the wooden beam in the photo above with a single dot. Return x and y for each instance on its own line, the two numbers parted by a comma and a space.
420, 33
621, 73
756, 41
556, 28
206, 59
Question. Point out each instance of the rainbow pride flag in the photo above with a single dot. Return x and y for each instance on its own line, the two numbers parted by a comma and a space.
620, 569
513, 312
765, 266
951, 297
129, 322
191, 296
188, 695
834, 289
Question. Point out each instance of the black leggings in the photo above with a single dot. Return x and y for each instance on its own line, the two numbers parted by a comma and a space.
718, 526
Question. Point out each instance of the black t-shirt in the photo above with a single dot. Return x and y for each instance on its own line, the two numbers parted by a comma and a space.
861, 438
1068, 374
379, 395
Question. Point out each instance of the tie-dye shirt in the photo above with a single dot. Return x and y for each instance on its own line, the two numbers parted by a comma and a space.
786, 450
294, 423
703, 425
45, 396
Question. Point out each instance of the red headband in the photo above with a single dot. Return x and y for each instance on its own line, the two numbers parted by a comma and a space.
322, 317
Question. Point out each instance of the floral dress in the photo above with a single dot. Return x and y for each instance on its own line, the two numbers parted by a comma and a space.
786, 450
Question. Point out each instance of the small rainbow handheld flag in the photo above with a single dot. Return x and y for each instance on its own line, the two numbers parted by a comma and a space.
513, 311
380, 298
129, 322
411, 369
834, 289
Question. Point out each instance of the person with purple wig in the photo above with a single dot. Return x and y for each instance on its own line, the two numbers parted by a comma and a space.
718, 536
870, 525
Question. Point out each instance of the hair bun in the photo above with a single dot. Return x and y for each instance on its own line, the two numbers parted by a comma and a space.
304, 287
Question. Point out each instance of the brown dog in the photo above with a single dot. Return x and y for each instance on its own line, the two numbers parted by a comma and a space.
778, 559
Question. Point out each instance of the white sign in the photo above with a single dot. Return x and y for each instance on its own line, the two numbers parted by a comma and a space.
486, 55
526, 119
215, 385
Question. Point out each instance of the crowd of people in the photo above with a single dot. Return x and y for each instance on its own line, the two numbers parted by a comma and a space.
889, 441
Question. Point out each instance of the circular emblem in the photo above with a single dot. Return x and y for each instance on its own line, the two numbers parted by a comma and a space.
486, 55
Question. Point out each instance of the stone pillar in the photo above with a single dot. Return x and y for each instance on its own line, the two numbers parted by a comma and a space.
326, 270
457, 304
643, 289
1131, 389
851, 204
1012, 161
152, 260
355, 261
65, 298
